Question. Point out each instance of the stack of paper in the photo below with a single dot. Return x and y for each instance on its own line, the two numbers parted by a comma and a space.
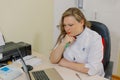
31, 60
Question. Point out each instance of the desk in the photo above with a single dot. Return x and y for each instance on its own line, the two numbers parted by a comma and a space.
67, 74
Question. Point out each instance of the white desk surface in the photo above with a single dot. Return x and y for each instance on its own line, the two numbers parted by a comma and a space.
67, 74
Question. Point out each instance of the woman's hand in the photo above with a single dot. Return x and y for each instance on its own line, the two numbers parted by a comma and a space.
68, 39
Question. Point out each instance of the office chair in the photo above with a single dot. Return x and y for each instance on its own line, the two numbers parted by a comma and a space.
105, 34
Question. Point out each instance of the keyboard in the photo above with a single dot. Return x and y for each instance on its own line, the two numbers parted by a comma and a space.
40, 75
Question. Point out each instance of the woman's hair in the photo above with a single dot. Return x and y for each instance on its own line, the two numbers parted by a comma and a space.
77, 14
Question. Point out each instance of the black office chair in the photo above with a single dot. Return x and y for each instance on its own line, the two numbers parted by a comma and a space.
104, 32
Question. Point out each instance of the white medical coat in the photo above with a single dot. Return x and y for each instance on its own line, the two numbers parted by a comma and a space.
87, 49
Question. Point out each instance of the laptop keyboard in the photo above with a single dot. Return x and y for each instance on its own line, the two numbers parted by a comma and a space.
40, 75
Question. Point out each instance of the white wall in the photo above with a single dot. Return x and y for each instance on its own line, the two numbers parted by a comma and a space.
59, 7
29, 21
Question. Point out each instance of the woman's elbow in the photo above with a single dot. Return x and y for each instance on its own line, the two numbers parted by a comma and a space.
53, 61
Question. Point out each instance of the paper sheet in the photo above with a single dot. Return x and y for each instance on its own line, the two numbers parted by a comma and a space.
30, 60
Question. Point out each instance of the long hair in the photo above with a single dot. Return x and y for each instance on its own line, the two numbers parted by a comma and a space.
77, 14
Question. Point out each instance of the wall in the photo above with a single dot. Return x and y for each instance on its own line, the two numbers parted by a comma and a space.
59, 8
118, 70
30, 21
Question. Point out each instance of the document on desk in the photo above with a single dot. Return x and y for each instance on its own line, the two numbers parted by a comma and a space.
31, 60
95, 77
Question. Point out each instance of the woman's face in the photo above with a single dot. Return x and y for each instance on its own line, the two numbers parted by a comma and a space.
72, 26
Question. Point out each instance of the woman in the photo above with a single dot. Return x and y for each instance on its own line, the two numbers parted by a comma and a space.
78, 47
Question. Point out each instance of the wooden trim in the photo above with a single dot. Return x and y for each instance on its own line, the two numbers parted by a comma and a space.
115, 77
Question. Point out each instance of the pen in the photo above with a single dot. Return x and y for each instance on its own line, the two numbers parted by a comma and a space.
67, 44
78, 76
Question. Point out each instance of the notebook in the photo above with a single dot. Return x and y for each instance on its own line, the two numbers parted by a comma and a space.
46, 74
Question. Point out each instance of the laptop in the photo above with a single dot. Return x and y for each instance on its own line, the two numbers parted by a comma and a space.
46, 74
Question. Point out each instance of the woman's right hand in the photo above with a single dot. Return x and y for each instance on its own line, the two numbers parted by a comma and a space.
68, 39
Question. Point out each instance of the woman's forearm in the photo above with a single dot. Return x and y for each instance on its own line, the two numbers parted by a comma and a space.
72, 65
78, 67
57, 53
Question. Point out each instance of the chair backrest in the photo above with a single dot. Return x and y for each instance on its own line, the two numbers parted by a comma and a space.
2, 41
105, 34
